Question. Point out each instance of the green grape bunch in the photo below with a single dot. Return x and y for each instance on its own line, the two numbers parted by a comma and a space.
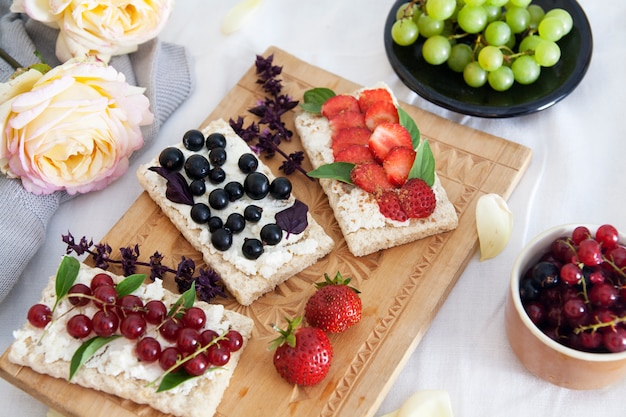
489, 42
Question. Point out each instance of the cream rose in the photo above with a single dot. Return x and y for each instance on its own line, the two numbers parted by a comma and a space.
98, 27
72, 128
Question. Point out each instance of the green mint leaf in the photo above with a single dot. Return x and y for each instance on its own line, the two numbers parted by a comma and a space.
314, 98
424, 164
409, 124
184, 302
336, 171
66, 276
86, 351
129, 284
173, 379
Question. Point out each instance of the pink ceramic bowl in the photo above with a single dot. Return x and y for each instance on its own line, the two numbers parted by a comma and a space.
541, 355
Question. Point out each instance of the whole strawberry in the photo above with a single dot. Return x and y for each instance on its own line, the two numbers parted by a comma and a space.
303, 354
335, 306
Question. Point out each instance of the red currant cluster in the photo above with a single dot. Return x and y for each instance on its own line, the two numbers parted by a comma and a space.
191, 346
576, 292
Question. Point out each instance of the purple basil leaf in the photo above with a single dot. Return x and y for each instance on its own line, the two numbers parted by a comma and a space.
293, 219
177, 188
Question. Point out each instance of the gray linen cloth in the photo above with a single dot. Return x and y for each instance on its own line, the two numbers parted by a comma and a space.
160, 67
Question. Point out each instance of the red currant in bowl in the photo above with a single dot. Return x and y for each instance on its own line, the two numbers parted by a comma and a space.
570, 328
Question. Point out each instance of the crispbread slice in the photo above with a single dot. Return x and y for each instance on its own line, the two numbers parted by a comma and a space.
114, 369
364, 228
245, 279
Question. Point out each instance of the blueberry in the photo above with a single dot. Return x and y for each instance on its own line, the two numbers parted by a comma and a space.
172, 159
248, 163
215, 223
235, 223
218, 198
200, 213
215, 140
545, 275
252, 248
222, 239
271, 234
217, 175
197, 167
197, 187
217, 157
193, 140
256, 185
280, 188
234, 190
252, 213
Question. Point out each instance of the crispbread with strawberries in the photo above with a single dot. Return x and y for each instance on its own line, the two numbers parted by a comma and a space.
378, 173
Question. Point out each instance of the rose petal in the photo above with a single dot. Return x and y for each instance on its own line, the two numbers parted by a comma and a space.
494, 222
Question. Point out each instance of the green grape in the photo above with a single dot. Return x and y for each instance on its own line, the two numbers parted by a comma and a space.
460, 56
497, 3
501, 79
474, 75
428, 26
551, 28
436, 50
529, 43
472, 19
474, 2
536, 14
517, 18
493, 13
565, 17
404, 31
440, 9
520, 3
404, 10
497, 33
490, 58
547, 53
525, 69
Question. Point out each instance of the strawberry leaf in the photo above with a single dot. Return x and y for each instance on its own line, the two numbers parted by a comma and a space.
339, 171
314, 98
129, 284
66, 276
409, 124
86, 351
424, 164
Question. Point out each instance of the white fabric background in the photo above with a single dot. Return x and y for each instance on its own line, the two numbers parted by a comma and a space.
576, 176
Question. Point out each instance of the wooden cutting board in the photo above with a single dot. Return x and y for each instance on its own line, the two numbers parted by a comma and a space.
402, 288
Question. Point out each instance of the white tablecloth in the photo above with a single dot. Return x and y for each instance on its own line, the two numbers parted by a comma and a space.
575, 177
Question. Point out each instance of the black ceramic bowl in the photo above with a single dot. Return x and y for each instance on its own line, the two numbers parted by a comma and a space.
446, 88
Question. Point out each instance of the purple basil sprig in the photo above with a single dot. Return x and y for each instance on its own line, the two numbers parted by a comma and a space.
266, 135
207, 282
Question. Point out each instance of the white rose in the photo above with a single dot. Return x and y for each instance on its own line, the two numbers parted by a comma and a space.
98, 27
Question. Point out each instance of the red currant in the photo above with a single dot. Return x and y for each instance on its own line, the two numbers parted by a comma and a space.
580, 233
234, 340
169, 357
106, 296
218, 355
133, 326
571, 274
574, 308
148, 349
197, 365
81, 290
105, 323
589, 252
129, 304
101, 279
194, 317
39, 315
79, 326
603, 295
608, 236
169, 329
188, 340
615, 340
590, 340
208, 336
155, 312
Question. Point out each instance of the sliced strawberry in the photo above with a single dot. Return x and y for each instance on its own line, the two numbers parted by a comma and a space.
355, 154
350, 136
389, 205
347, 119
398, 164
381, 112
367, 97
387, 136
370, 177
417, 198
337, 104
